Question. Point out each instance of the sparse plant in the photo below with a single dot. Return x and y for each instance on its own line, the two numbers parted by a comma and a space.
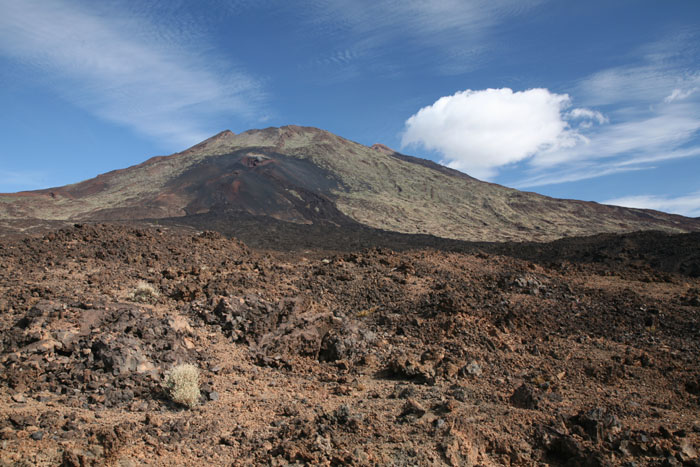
183, 385
367, 312
144, 293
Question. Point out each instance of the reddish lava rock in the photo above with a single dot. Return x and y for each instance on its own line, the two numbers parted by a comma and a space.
371, 357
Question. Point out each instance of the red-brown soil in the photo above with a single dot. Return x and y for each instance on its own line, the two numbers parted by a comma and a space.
583, 352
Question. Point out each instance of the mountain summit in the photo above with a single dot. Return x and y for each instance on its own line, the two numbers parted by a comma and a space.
304, 175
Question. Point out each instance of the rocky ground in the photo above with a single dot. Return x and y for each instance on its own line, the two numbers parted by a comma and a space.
373, 357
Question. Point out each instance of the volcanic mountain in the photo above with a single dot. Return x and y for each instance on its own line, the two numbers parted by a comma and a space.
306, 176
335, 340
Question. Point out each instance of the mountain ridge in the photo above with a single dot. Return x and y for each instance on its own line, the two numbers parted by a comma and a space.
306, 175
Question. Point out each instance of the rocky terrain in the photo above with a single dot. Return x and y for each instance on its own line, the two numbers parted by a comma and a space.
305, 176
580, 352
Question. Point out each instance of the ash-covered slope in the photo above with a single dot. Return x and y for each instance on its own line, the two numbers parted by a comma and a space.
306, 175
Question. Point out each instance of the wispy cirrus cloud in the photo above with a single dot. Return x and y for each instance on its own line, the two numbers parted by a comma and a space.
448, 19
126, 69
449, 34
680, 94
686, 205
651, 138
585, 169
651, 114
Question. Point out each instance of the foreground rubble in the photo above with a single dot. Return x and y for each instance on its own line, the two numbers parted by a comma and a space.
360, 358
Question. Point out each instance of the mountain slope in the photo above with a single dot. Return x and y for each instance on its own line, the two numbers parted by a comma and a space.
305, 175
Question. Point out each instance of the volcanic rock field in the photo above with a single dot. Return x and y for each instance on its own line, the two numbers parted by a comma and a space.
582, 352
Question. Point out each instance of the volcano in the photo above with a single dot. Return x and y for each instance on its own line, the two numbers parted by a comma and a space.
303, 176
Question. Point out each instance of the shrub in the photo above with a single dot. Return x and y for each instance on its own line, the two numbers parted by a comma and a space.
183, 385
144, 293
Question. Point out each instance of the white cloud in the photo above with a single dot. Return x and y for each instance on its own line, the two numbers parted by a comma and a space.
587, 115
479, 131
687, 205
679, 94
126, 69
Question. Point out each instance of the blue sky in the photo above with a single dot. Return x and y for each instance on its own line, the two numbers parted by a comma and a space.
592, 100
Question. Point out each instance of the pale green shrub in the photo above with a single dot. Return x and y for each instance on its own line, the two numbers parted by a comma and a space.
144, 293
183, 385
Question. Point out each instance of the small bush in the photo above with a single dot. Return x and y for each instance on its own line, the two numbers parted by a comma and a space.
183, 385
144, 293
